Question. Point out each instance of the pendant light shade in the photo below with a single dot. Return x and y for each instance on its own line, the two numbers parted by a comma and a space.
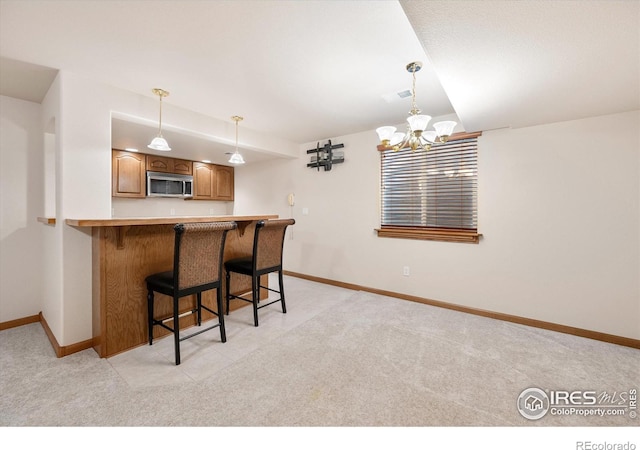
236, 158
160, 143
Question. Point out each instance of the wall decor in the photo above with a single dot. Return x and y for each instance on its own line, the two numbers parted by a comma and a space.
325, 156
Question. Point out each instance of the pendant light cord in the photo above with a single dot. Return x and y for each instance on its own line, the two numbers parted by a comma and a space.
160, 121
236, 119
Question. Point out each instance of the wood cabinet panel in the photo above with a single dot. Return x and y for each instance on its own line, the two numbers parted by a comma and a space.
165, 164
127, 174
224, 183
158, 163
203, 181
182, 166
212, 182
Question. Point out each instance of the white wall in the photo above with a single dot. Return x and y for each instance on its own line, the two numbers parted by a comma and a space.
21, 202
558, 207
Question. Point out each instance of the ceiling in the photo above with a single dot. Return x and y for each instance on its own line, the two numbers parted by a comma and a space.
523, 63
313, 70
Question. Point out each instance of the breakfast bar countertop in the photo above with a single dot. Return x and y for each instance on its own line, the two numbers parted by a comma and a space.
124, 251
129, 221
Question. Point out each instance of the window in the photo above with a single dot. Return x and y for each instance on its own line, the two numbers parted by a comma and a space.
431, 195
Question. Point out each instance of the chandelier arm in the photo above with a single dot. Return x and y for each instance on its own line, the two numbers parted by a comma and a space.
427, 141
403, 143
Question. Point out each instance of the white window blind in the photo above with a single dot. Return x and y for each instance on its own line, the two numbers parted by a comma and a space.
436, 189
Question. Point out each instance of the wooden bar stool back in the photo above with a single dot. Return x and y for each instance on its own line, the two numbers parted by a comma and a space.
197, 267
268, 244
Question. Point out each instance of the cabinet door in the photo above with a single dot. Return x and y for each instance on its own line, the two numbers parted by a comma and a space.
203, 181
169, 165
224, 183
158, 163
182, 166
127, 174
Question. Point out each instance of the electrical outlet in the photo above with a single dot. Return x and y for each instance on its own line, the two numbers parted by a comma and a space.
405, 271
173, 212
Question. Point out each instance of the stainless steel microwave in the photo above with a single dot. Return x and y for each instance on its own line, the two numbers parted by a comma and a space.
161, 184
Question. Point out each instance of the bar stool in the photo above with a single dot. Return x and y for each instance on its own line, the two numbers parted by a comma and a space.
197, 267
268, 243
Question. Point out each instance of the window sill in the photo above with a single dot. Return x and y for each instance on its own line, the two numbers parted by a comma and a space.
447, 235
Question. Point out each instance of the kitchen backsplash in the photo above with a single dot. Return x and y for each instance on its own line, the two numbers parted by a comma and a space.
166, 207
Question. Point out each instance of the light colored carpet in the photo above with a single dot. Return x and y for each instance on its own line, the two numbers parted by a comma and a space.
362, 360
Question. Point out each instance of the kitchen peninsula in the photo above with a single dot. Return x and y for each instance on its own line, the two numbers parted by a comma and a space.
125, 251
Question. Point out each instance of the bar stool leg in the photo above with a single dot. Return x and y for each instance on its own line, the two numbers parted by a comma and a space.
150, 315
284, 306
199, 306
176, 329
255, 294
223, 332
228, 286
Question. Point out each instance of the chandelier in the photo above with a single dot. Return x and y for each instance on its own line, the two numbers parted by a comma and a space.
158, 142
416, 137
236, 158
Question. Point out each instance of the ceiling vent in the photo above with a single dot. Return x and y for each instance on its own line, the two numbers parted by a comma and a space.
394, 97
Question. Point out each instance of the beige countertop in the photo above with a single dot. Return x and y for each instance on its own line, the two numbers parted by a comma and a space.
129, 221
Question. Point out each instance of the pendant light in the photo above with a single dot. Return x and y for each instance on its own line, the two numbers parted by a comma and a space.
158, 142
236, 158
416, 137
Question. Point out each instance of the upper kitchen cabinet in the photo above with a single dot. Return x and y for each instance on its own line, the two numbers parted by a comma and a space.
203, 181
169, 165
127, 174
212, 182
224, 182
